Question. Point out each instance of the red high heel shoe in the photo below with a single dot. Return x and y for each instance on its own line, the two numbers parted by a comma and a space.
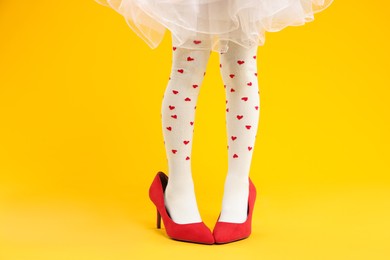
226, 232
191, 232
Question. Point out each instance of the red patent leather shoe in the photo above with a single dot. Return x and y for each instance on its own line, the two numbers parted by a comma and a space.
191, 232
226, 232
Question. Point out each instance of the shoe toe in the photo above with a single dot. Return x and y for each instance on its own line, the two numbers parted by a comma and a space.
203, 234
194, 232
206, 236
225, 232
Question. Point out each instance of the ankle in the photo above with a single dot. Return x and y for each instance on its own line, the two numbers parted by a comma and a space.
235, 199
181, 204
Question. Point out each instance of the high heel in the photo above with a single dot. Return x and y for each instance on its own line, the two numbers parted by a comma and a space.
191, 232
158, 220
226, 232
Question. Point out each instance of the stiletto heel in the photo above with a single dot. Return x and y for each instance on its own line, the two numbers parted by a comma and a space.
191, 232
158, 220
226, 232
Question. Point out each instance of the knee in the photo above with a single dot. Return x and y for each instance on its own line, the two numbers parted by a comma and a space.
190, 61
232, 71
238, 63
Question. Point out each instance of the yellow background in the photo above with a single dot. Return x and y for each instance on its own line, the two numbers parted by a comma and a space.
81, 138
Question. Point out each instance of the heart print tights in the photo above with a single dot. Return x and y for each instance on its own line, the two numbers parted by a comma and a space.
238, 67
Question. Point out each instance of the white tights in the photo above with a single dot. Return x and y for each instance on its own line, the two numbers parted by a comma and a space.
238, 68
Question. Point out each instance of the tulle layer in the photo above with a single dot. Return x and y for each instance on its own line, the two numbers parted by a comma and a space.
213, 22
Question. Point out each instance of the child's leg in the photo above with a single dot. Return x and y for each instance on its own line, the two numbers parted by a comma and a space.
178, 113
239, 73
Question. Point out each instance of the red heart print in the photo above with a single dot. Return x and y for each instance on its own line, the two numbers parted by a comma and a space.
254, 57
174, 151
174, 48
257, 107
187, 158
232, 90
180, 70
169, 128
191, 123
249, 148
194, 86
186, 142
187, 99
231, 75
190, 59
227, 109
197, 41
171, 107
256, 74
174, 116
175, 92
234, 137
240, 62
220, 65
235, 155
249, 84
239, 117
244, 98
248, 127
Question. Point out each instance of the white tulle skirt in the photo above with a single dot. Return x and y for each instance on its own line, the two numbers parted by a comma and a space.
213, 22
